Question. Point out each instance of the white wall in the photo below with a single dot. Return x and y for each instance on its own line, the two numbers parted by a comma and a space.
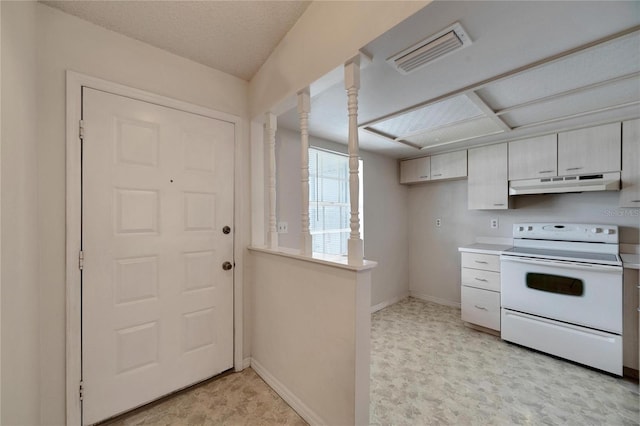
20, 289
327, 34
385, 211
311, 336
41, 43
434, 258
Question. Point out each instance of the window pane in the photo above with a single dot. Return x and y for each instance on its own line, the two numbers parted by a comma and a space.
329, 208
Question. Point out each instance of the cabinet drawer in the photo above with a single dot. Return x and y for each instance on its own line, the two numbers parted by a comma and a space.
487, 262
481, 307
478, 278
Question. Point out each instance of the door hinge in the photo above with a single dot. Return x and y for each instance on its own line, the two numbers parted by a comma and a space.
81, 130
81, 390
81, 260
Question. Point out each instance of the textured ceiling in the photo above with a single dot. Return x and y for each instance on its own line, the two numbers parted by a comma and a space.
231, 36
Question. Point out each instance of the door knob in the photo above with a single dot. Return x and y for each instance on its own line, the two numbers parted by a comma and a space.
227, 265
226, 230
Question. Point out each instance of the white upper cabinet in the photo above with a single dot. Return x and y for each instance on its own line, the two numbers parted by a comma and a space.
487, 179
416, 170
449, 166
533, 158
630, 194
591, 150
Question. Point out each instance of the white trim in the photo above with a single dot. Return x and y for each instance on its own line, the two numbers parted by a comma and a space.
389, 302
289, 397
433, 299
334, 261
75, 82
258, 216
246, 363
0, 218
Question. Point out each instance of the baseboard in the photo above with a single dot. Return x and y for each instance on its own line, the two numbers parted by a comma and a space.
437, 300
630, 372
290, 398
246, 363
481, 328
389, 302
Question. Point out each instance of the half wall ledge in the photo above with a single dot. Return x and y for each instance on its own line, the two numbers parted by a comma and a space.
323, 259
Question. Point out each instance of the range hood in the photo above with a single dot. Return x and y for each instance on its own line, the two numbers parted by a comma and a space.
556, 185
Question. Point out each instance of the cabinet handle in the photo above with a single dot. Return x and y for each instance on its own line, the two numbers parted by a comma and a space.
482, 308
573, 168
546, 171
424, 177
635, 201
498, 204
482, 262
480, 279
439, 174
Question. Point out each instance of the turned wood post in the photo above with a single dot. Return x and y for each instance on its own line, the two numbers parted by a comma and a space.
304, 106
352, 84
271, 125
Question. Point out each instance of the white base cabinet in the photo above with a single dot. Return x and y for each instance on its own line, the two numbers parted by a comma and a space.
481, 307
480, 290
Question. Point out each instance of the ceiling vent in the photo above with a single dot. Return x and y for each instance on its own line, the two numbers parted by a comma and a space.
438, 45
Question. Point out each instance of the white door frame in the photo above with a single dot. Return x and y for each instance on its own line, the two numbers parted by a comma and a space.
75, 82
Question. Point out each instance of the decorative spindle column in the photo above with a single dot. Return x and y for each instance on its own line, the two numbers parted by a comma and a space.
304, 106
352, 84
271, 125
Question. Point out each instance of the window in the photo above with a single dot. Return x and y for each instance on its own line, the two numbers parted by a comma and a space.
329, 206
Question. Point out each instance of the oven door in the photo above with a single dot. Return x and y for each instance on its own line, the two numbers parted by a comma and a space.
589, 295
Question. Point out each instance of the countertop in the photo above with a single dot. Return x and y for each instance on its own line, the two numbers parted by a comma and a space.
630, 261
484, 248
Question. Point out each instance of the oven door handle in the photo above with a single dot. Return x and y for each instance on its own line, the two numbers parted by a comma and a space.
562, 264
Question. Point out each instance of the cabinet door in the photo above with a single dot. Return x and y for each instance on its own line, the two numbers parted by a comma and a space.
480, 307
630, 194
416, 170
533, 158
448, 166
591, 150
487, 183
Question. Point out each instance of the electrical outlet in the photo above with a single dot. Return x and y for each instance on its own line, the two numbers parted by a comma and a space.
494, 223
283, 227
438, 222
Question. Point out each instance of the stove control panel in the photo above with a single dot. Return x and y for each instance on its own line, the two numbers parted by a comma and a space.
582, 232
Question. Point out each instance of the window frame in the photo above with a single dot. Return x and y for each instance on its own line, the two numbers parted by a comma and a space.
317, 204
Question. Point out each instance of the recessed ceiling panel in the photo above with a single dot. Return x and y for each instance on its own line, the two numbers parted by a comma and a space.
482, 126
432, 116
608, 96
606, 61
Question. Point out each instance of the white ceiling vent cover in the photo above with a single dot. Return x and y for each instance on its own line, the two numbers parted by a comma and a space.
428, 50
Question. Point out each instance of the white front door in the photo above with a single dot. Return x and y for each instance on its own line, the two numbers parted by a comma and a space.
157, 305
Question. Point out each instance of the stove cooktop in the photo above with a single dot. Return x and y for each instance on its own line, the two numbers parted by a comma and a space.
577, 256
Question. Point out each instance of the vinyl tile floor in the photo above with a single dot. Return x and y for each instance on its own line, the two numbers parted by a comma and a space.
427, 368
234, 399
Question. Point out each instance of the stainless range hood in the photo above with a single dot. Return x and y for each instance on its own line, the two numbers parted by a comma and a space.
561, 184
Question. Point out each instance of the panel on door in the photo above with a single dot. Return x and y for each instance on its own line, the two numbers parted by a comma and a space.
157, 307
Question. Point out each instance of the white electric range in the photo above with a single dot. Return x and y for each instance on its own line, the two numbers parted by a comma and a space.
561, 292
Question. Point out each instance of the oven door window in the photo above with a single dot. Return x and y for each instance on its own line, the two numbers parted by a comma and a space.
555, 284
